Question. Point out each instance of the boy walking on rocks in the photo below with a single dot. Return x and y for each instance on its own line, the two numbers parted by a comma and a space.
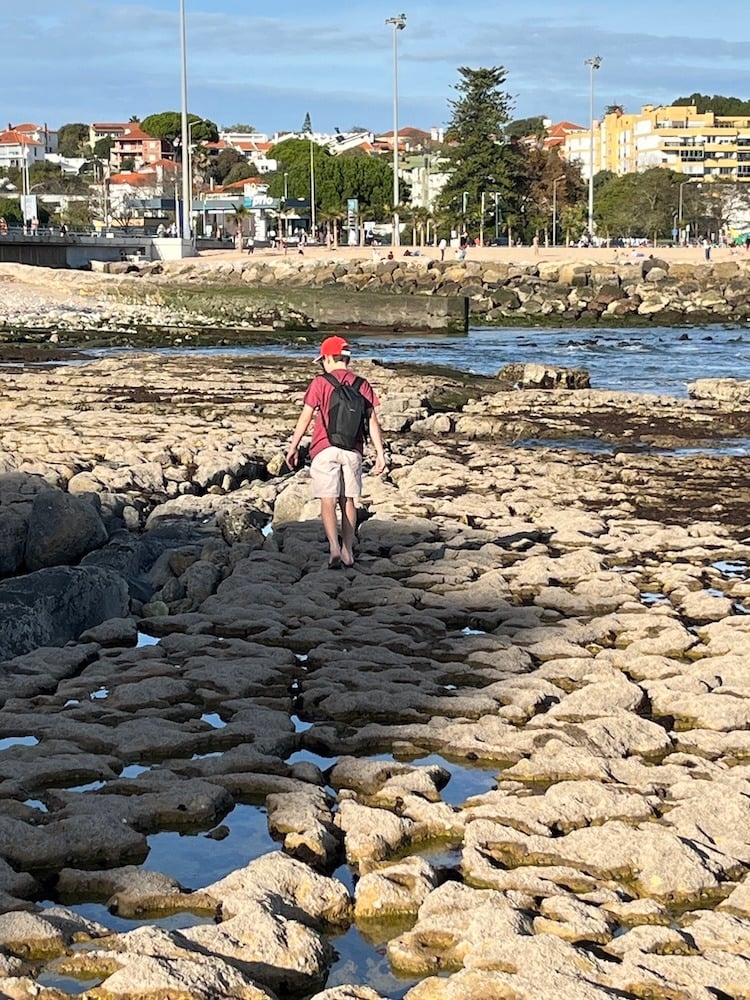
345, 404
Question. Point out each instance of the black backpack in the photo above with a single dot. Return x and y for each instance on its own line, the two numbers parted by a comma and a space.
348, 410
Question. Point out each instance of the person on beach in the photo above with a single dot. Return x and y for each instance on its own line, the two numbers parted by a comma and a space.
335, 472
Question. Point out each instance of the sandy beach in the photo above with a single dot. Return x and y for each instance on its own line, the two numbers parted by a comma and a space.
505, 255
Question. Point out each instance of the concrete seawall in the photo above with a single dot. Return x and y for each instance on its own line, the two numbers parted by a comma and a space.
643, 289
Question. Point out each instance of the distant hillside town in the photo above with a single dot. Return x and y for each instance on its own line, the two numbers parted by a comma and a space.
340, 186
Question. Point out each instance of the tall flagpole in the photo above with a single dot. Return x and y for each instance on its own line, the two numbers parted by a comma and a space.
398, 23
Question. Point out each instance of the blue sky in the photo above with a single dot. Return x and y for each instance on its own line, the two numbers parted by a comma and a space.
267, 64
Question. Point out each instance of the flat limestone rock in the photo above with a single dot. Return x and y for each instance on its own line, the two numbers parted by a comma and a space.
614, 851
393, 890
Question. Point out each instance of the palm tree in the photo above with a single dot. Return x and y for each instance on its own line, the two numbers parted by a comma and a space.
332, 218
239, 215
420, 218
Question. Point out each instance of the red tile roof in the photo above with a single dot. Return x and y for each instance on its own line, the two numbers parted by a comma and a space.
132, 178
12, 137
134, 131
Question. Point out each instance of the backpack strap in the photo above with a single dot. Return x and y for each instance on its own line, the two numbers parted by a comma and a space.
335, 383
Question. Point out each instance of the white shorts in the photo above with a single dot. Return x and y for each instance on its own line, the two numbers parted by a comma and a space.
335, 472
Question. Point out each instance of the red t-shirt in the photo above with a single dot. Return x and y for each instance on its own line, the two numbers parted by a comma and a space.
318, 396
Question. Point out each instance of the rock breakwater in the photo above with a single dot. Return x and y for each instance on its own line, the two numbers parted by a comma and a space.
645, 289
204, 300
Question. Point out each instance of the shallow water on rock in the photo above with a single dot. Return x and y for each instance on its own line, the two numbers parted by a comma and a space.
214, 720
466, 779
147, 640
361, 960
91, 786
18, 741
737, 447
66, 984
196, 860
733, 569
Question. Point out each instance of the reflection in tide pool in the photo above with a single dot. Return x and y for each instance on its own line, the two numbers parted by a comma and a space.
147, 640
66, 984
308, 757
214, 720
361, 960
466, 779
197, 860
18, 741
133, 770
99, 913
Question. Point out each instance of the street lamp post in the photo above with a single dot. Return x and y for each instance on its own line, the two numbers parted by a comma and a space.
398, 23
189, 156
313, 223
555, 182
679, 207
593, 64
183, 223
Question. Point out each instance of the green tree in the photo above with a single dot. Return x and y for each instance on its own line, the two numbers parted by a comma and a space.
240, 172
639, 204
72, 139
522, 127
221, 165
240, 215
549, 184
167, 125
480, 157
723, 106
10, 210
77, 216
102, 147
307, 123
337, 178
239, 127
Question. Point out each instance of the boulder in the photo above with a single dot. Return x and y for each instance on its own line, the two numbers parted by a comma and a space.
12, 540
53, 606
536, 376
62, 528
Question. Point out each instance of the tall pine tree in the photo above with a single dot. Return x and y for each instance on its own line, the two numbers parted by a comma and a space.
481, 158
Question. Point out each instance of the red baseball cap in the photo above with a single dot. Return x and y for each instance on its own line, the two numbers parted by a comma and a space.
332, 346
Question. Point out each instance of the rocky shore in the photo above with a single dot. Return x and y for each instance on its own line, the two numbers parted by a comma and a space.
573, 624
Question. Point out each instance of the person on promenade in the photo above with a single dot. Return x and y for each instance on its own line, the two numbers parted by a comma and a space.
442, 246
336, 472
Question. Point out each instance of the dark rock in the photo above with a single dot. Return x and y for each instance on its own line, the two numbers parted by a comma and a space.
62, 528
12, 540
53, 606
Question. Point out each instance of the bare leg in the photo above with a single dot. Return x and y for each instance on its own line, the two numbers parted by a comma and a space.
330, 525
348, 525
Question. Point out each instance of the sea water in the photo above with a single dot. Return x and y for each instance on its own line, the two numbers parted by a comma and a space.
657, 359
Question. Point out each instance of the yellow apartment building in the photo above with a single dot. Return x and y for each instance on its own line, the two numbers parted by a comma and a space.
700, 145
